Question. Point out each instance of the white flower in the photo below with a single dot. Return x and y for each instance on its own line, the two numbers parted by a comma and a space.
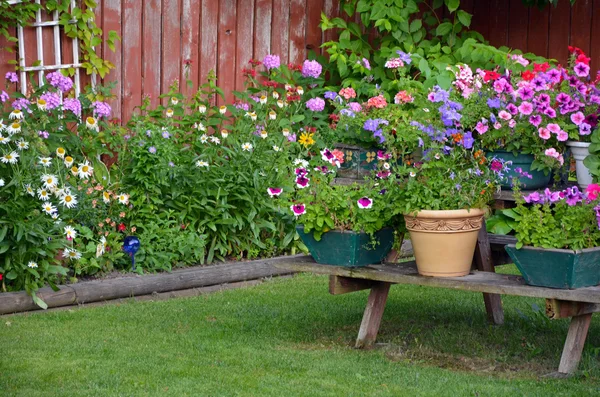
55, 218
263, 99
29, 190
276, 148
70, 232
272, 115
174, 101
91, 123
68, 161
299, 90
426, 110
169, 113
124, 198
43, 194
13, 128
204, 138
202, 109
263, 134
106, 197
285, 132
386, 166
247, 146
58, 193
201, 163
22, 145
437, 156
49, 180
48, 208
60, 152
101, 247
71, 254
2, 125
301, 162
10, 158
224, 133
32, 265
85, 170
4, 140
275, 95
252, 116
16, 114
215, 140
68, 200
45, 161
287, 87
223, 109
201, 127
280, 103
41, 104
413, 174
2, 182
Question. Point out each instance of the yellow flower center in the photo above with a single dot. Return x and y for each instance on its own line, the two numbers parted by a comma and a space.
72, 254
74, 169
8, 157
106, 195
60, 150
49, 181
68, 199
41, 101
69, 159
91, 120
17, 111
16, 125
85, 168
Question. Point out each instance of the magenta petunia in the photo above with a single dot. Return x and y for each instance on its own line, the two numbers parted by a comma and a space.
577, 118
302, 182
298, 209
526, 108
582, 70
365, 203
274, 191
535, 120
481, 128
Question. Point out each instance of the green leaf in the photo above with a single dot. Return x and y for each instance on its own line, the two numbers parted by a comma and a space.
38, 301
444, 81
452, 5
443, 29
464, 17
415, 25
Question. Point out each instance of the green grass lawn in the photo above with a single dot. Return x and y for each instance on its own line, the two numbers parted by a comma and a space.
289, 337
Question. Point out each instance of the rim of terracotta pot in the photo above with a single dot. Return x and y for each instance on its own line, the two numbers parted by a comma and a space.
447, 214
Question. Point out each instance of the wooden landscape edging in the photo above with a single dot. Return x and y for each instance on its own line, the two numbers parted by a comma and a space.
136, 285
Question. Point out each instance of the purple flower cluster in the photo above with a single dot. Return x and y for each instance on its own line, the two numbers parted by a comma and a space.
101, 109
4, 96
56, 79
331, 95
311, 69
43, 134
12, 77
73, 105
21, 104
404, 57
243, 105
316, 104
571, 196
373, 126
271, 62
52, 100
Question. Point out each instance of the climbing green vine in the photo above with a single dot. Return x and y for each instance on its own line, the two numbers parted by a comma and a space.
78, 22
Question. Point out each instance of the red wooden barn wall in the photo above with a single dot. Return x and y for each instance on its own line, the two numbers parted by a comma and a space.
223, 35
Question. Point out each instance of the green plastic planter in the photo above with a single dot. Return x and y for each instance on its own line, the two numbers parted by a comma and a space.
524, 161
557, 268
347, 248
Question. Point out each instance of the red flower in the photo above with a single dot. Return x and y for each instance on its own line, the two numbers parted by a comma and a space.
291, 66
581, 58
121, 227
0, 276
270, 84
248, 72
528, 75
575, 50
490, 75
292, 97
187, 62
540, 67
334, 117
255, 62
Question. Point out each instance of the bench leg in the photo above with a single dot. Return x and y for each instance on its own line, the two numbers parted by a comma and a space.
483, 261
373, 314
571, 354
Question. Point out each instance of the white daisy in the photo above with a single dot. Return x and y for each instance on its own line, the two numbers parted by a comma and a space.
85, 170
22, 145
29, 190
224, 133
70, 232
223, 109
32, 265
263, 134
202, 109
413, 174
272, 115
247, 146
13, 128
201, 163
60, 152
106, 197
91, 123
252, 116
71, 254
2, 125
204, 138
4, 140
201, 127
10, 158
275, 95
16, 114
124, 199
74, 170
169, 113
48, 208
45, 161
43, 194
49, 180
276, 148
215, 140
174, 101
280, 103
55, 218
263, 99
68, 161
41, 104
69, 200
285, 132
101, 247
299, 90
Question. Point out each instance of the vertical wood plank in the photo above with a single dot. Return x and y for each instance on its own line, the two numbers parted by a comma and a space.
262, 28
581, 25
132, 58
537, 38
595, 51
559, 33
280, 33
480, 21
111, 20
332, 10
190, 39
209, 26
498, 23
171, 44
245, 43
483, 261
151, 50
571, 355
314, 36
373, 314
297, 24
226, 48
518, 26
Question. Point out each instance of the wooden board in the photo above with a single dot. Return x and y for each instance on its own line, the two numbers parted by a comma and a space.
406, 273
339, 285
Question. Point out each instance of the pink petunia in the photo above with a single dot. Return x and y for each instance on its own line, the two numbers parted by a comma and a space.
504, 115
553, 128
562, 136
581, 69
577, 118
544, 133
512, 123
302, 182
592, 191
365, 203
526, 108
481, 128
497, 125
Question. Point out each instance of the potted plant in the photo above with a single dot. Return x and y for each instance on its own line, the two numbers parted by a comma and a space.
558, 237
344, 225
445, 194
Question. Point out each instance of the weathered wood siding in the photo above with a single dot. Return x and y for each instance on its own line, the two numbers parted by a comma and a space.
158, 36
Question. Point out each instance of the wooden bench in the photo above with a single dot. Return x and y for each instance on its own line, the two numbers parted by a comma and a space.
578, 304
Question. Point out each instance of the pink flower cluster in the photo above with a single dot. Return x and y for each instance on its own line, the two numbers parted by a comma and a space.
403, 97
348, 93
394, 63
378, 102
316, 104
554, 154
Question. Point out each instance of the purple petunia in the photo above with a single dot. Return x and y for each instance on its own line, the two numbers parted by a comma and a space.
330, 95
581, 69
467, 140
404, 57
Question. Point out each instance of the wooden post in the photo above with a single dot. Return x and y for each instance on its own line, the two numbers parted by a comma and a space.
574, 344
373, 314
556, 308
483, 261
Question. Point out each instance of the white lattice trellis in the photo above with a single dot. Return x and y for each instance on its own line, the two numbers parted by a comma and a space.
42, 67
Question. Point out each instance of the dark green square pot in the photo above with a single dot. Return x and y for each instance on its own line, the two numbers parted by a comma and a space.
347, 248
557, 268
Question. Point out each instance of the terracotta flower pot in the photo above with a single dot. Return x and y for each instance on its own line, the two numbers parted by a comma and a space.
444, 241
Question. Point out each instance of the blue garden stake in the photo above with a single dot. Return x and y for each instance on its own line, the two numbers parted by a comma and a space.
131, 245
